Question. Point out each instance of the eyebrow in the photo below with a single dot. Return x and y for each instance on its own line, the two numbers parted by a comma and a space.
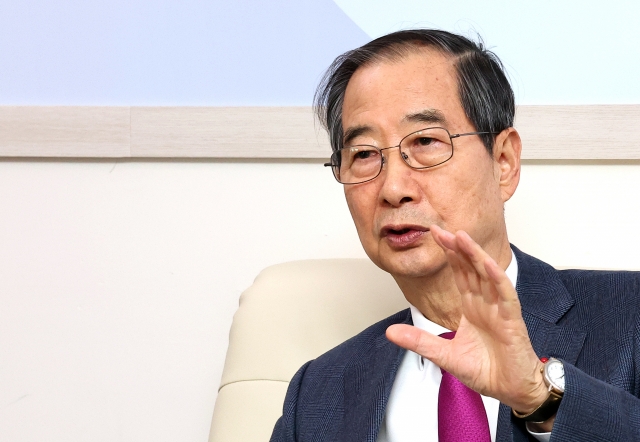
354, 132
429, 116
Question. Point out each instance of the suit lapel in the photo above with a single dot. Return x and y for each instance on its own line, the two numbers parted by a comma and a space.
367, 386
544, 300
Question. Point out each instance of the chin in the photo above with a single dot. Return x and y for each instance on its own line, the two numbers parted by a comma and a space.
413, 263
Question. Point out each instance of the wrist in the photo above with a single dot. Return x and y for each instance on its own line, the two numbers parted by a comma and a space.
538, 392
553, 378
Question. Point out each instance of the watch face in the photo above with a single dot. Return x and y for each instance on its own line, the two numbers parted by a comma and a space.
555, 373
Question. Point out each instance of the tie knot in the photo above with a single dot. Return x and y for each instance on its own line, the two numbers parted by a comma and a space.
448, 335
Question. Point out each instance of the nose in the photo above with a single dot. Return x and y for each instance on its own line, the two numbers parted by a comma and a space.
398, 184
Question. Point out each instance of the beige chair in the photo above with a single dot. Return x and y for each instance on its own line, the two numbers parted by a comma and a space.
292, 313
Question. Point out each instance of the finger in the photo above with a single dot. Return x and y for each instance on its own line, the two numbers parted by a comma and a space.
446, 240
455, 256
449, 241
419, 341
474, 254
476, 257
464, 272
460, 275
481, 287
466, 275
494, 285
501, 281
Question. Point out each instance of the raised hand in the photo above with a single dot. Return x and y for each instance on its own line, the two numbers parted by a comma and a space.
491, 352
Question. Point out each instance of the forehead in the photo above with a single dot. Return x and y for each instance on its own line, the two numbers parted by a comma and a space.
382, 94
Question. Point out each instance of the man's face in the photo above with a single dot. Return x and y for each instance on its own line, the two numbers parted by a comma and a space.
386, 101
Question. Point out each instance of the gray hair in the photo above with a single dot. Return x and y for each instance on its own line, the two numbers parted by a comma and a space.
485, 93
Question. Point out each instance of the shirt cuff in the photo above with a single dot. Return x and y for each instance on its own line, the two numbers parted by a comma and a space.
543, 437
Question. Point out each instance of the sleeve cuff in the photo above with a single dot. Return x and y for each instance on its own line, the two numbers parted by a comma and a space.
543, 437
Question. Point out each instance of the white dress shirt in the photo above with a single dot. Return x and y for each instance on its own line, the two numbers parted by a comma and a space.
412, 410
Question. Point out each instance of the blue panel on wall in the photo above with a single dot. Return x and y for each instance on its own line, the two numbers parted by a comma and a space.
166, 52
557, 51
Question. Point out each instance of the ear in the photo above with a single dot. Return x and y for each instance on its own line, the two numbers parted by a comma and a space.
506, 156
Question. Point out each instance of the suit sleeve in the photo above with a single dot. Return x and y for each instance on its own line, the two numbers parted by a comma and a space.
592, 410
602, 395
285, 428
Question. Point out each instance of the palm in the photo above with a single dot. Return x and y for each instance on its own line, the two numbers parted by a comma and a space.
491, 352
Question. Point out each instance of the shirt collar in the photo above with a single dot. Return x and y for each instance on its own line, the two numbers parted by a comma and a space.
420, 321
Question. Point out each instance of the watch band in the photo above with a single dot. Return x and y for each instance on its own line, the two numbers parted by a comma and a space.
547, 409
550, 405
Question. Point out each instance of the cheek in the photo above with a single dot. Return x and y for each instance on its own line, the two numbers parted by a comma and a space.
462, 197
485, 205
362, 207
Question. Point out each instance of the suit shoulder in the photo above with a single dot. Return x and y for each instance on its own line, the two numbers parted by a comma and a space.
581, 284
589, 283
607, 303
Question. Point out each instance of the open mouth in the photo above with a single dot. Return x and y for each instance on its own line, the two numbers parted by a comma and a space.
399, 232
402, 230
403, 236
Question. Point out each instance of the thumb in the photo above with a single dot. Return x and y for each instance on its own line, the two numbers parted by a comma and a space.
419, 341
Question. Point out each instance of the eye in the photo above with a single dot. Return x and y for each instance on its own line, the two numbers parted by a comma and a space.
425, 141
363, 154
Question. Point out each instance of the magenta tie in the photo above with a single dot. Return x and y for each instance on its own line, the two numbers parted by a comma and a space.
461, 413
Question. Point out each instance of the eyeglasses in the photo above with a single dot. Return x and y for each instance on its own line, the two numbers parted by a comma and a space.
422, 149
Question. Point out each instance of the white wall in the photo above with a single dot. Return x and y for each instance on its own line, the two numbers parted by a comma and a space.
581, 215
118, 281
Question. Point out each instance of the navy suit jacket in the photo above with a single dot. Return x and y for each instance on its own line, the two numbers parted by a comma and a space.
588, 319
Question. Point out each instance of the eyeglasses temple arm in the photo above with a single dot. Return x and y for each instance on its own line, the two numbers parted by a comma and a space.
472, 133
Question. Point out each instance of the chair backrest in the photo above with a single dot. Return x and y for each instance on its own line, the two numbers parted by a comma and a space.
292, 313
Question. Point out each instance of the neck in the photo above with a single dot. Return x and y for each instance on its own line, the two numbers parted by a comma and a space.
437, 296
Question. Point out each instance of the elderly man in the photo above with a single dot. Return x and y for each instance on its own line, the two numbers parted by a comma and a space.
421, 127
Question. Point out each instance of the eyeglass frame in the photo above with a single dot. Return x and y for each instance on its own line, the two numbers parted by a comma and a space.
382, 159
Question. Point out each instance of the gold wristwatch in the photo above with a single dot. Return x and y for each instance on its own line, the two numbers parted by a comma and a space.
553, 374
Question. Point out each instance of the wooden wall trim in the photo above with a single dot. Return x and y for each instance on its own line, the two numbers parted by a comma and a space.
592, 132
588, 132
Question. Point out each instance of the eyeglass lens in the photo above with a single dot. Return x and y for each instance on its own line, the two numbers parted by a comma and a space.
421, 149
